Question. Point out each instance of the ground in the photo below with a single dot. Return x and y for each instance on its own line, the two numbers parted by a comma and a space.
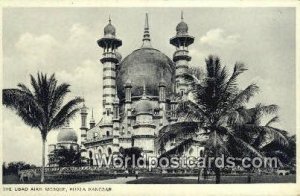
194, 180
13, 179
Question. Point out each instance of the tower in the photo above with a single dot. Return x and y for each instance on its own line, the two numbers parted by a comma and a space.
110, 59
162, 100
116, 120
144, 128
83, 128
181, 57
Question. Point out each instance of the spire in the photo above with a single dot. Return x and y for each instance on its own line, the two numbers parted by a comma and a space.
109, 19
67, 123
92, 121
146, 37
181, 15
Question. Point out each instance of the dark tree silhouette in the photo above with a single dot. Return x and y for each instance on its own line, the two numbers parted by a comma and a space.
42, 107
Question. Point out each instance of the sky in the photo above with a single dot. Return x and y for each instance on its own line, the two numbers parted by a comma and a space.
63, 41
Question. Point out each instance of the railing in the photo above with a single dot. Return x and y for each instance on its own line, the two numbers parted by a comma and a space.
181, 53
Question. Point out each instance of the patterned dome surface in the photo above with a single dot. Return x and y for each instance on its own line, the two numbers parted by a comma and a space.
145, 66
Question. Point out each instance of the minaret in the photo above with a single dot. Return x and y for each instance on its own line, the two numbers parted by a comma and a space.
116, 106
92, 121
146, 37
110, 44
162, 100
116, 120
128, 101
83, 128
181, 57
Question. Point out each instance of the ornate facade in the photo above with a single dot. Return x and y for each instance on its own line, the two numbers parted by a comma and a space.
140, 93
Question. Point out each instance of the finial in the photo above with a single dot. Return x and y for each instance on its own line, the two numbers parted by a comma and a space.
146, 22
109, 19
92, 113
181, 15
83, 102
116, 96
146, 37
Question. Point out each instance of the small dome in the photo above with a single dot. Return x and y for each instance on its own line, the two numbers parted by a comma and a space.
143, 106
182, 28
109, 30
92, 121
128, 83
162, 82
83, 110
67, 134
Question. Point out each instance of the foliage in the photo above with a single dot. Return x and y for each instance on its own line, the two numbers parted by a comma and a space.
217, 105
42, 107
67, 157
14, 167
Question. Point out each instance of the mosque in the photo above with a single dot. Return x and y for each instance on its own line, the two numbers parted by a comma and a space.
140, 95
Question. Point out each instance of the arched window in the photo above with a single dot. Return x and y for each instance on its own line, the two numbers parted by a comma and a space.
90, 154
107, 133
202, 153
182, 92
107, 112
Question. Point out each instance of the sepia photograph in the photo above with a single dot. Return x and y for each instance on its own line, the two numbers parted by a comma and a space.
148, 95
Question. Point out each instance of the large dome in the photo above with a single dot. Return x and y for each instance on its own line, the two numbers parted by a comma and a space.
67, 134
145, 65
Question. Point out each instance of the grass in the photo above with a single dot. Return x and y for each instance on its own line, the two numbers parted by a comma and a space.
63, 179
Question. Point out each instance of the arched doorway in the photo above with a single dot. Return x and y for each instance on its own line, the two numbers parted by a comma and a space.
109, 151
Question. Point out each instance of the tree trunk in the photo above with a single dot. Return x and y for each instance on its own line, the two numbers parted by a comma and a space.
249, 176
218, 175
43, 162
217, 170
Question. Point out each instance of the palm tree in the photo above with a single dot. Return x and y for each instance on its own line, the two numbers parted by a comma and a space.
266, 138
213, 100
42, 107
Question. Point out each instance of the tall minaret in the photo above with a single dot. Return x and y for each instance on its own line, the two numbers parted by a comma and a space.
83, 128
181, 57
110, 44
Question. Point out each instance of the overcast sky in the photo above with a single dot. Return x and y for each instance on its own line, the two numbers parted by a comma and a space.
63, 41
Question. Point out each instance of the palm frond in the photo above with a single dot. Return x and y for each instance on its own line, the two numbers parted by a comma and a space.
244, 96
273, 120
244, 145
66, 111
